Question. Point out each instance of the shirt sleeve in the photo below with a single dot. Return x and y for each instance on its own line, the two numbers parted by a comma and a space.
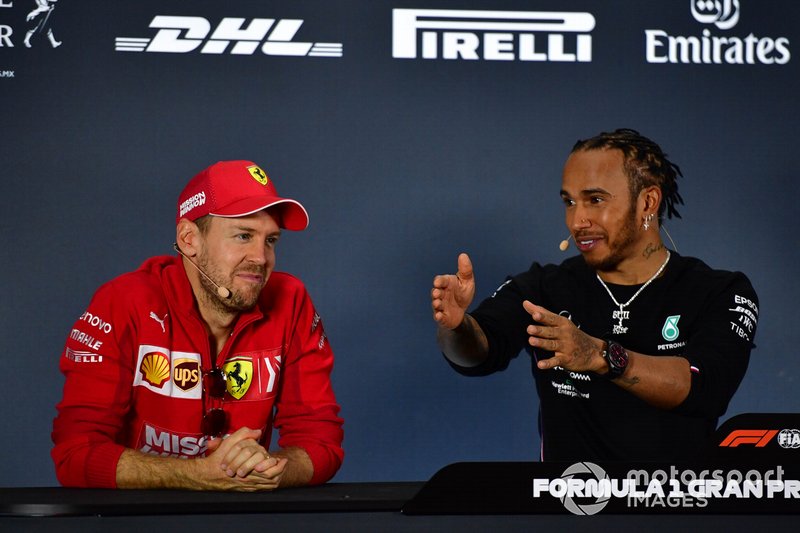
719, 348
97, 392
306, 410
504, 321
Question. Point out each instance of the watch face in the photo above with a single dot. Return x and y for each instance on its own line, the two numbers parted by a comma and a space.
617, 356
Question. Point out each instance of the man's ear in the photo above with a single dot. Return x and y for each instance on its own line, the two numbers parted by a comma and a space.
188, 237
650, 200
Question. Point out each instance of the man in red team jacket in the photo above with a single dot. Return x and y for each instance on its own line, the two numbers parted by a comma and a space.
197, 356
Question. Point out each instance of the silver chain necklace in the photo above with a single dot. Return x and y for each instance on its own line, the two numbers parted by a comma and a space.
622, 314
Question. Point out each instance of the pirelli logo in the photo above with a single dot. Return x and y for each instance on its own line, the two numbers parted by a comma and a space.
492, 35
756, 437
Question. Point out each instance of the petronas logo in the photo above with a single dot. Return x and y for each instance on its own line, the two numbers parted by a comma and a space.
670, 330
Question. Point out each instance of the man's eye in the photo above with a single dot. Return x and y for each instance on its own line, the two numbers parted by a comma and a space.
596, 199
243, 236
272, 241
568, 202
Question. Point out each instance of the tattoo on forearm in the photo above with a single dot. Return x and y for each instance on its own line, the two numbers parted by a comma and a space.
651, 248
630, 382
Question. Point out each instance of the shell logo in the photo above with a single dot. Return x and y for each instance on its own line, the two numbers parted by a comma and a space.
155, 368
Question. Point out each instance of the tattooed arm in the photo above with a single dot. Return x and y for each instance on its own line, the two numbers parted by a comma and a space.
663, 382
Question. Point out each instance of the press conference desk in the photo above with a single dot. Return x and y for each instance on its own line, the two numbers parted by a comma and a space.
333, 507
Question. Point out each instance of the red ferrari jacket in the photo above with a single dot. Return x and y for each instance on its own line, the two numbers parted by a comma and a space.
134, 363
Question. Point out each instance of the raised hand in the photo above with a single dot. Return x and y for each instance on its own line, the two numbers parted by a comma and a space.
452, 294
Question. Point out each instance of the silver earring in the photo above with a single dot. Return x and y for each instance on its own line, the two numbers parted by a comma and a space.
647, 220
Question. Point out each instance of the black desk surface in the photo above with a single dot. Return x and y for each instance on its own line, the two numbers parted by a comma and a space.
330, 508
334, 497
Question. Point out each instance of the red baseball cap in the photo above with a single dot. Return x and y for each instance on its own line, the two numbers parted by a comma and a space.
236, 189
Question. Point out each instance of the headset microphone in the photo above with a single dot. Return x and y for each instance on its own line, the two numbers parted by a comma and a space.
565, 243
221, 291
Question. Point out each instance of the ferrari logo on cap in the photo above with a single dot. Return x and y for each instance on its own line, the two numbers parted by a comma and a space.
240, 375
258, 174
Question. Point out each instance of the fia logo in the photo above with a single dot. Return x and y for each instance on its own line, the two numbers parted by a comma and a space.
789, 438
724, 14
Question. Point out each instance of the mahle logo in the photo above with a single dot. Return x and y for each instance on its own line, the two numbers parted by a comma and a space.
492, 35
181, 35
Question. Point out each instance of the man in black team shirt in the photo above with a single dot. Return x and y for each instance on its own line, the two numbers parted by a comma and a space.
636, 350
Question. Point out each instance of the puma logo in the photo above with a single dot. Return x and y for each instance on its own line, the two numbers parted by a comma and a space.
159, 320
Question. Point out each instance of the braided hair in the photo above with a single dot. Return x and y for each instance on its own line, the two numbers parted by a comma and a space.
645, 165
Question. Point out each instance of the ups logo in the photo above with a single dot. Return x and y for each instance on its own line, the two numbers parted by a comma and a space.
186, 374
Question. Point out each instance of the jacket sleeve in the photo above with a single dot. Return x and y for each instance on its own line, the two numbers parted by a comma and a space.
96, 363
719, 347
306, 410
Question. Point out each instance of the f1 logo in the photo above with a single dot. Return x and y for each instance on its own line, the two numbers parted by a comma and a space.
759, 437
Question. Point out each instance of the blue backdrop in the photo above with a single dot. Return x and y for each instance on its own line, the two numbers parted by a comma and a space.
409, 139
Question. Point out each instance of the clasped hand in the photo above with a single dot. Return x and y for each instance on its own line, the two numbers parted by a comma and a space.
242, 463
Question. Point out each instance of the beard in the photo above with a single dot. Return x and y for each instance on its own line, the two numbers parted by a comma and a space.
618, 249
241, 300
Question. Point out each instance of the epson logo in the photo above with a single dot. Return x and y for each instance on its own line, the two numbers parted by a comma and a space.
661, 47
492, 35
181, 35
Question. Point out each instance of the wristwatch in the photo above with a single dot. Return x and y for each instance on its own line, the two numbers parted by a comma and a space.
617, 359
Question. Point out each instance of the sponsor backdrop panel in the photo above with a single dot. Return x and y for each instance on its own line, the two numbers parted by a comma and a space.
409, 141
